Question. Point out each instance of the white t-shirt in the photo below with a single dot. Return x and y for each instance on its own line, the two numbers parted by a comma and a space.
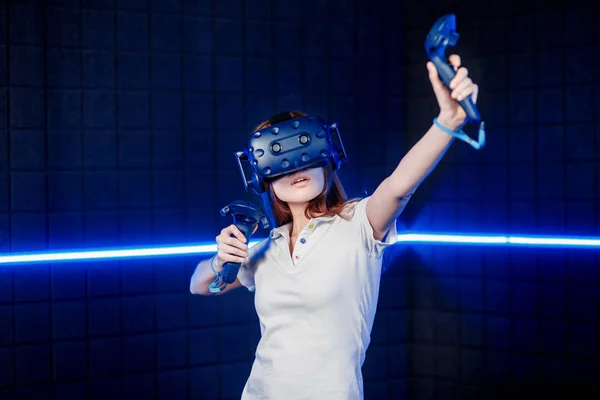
316, 308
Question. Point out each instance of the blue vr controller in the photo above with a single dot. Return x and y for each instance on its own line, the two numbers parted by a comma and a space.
247, 217
443, 34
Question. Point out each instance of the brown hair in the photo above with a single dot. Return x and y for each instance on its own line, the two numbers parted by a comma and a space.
332, 200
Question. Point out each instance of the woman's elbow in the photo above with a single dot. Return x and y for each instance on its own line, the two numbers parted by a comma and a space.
197, 287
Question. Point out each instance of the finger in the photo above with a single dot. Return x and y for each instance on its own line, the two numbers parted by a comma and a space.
464, 89
463, 95
232, 250
454, 60
460, 76
225, 258
465, 92
475, 93
237, 233
434, 78
233, 242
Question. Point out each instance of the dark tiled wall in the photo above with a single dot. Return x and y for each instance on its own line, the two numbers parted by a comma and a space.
492, 322
117, 124
118, 120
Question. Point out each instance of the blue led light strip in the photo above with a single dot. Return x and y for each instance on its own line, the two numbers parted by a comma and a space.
199, 249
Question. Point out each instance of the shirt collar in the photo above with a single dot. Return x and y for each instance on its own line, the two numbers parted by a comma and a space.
284, 230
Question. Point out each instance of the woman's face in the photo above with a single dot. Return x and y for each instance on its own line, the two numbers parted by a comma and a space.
301, 186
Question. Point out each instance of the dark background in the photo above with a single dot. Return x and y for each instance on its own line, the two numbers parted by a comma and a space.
118, 120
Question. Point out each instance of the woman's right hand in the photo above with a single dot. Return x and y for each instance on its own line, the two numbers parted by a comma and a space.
231, 247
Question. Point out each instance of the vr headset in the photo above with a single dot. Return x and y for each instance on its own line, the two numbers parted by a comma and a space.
289, 145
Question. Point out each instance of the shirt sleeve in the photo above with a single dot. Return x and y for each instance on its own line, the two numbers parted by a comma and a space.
248, 269
361, 221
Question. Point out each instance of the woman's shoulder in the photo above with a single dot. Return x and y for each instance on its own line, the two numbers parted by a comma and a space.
351, 206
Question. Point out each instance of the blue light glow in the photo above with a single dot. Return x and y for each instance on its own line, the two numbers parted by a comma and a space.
200, 249
531, 241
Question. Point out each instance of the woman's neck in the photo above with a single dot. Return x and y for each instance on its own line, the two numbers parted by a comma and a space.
299, 219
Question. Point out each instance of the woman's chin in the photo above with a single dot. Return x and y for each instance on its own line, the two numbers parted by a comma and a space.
300, 197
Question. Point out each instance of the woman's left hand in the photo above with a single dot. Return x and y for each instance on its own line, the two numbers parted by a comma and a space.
452, 115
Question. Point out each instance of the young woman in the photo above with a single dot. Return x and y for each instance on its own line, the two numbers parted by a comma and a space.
316, 277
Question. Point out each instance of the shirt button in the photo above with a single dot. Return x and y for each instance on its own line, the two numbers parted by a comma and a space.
311, 226
297, 257
302, 240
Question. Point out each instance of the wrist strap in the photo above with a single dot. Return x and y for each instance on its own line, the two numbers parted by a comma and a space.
463, 136
218, 285
212, 265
